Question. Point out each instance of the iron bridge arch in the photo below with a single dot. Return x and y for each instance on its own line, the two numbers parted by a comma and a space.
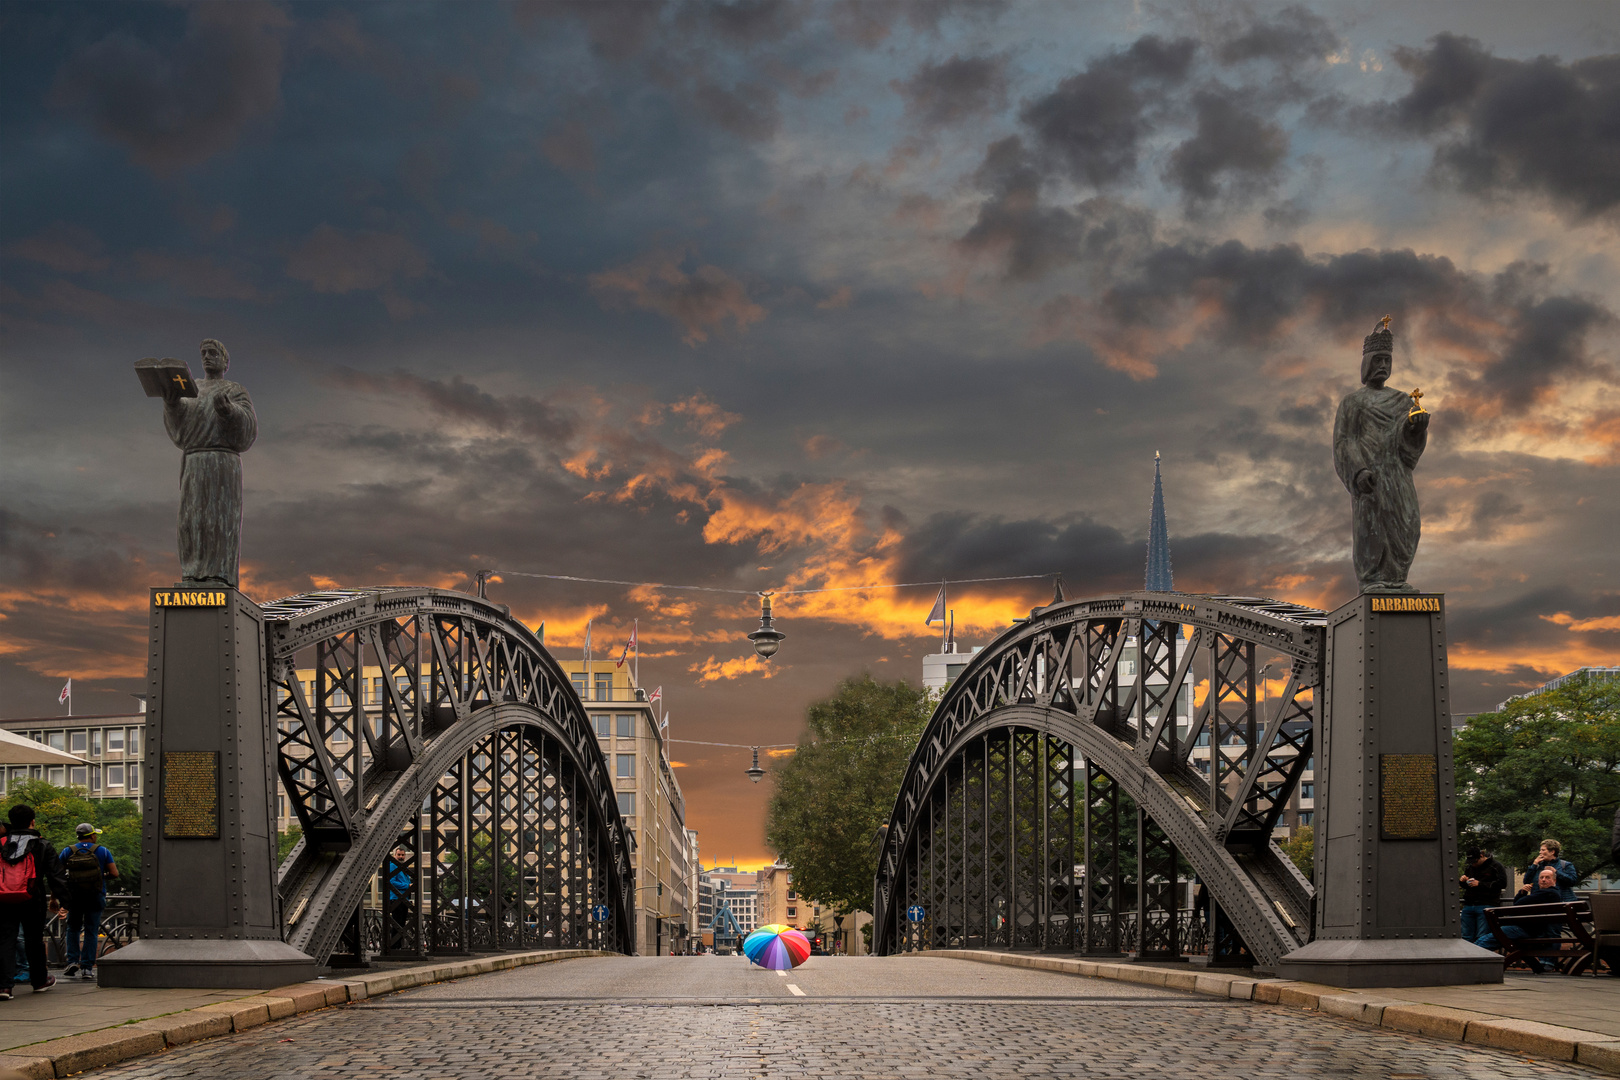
1008, 831
465, 790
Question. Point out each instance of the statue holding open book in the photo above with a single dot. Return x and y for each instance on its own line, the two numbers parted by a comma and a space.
212, 421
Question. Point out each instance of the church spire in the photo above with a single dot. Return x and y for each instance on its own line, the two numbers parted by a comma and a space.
1159, 577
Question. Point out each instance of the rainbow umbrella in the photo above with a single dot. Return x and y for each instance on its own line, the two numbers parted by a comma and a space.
777, 947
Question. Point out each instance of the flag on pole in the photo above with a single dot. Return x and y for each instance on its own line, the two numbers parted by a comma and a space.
587, 639
657, 695
67, 693
665, 725
937, 614
628, 645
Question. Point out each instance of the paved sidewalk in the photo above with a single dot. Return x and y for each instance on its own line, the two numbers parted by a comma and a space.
76, 1025
1559, 1017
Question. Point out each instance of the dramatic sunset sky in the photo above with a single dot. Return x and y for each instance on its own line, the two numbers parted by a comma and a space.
759, 295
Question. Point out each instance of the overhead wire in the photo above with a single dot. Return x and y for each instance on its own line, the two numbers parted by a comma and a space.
778, 593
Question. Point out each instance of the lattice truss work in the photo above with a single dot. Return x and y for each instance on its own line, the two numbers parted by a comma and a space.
466, 793
1012, 828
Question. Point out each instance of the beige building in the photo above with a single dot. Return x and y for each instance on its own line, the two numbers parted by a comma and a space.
780, 902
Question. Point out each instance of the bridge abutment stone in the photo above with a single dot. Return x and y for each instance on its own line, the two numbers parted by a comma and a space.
1386, 852
210, 909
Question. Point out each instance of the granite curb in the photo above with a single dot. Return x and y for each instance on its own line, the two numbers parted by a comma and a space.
108, 1046
1380, 1009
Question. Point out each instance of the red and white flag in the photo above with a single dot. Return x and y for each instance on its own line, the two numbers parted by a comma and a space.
657, 695
67, 693
628, 645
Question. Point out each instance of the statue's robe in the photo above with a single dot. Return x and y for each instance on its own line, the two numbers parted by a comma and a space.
1372, 432
211, 477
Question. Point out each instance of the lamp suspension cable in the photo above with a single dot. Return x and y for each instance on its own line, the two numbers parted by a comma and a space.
766, 592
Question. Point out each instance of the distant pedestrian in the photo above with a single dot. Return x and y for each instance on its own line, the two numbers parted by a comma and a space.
88, 865
1563, 869
28, 870
400, 879
1482, 882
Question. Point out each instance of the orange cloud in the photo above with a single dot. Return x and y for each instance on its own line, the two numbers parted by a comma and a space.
712, 670
1584, 626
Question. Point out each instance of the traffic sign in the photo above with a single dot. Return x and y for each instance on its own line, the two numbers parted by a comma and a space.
915, 913
600, 913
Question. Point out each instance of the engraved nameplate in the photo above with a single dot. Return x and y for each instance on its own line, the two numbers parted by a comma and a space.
190, 795
1408, 797
1406, 603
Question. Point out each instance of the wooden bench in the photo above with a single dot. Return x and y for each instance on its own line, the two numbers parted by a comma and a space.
1567, 940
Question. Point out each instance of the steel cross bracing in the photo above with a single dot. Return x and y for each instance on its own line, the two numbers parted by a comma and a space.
471, 792
1020, 783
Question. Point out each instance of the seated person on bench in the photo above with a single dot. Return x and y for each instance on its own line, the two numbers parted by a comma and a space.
1544, 892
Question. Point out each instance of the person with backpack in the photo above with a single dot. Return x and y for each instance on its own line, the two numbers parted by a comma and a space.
28, 870
87, 865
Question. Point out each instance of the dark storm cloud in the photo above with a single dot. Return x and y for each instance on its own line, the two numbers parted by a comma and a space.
744, 22
698, 301
1289, 36
1030, 238
1547, 340
462, 400
1232, 148
176, 103
333, 261
616, 29
1093, 557
1094, 123
1505, 125
953, 90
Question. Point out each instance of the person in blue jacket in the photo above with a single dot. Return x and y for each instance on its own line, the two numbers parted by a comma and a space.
88, 866
1562, 868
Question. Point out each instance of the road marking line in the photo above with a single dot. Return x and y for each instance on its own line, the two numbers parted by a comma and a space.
796, 991
782, 973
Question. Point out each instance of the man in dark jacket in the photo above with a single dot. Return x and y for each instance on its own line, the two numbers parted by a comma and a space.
1482, 884
21, 842
1545, 891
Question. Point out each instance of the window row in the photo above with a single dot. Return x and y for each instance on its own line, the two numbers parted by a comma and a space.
120, 779
603, 685
92, 741
621, 724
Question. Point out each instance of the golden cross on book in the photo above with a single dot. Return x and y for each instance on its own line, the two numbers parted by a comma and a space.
1417, 403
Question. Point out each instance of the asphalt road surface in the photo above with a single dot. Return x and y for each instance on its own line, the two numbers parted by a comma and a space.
835, 1017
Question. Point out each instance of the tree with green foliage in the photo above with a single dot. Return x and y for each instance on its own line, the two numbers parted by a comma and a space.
1546, 766
839, 786
1301, 847
59, 810
286, 841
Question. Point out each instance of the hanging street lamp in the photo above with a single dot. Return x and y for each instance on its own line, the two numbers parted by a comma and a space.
767, 637
754, 771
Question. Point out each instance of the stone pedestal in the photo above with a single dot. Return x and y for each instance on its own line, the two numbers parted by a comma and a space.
1386, 851
210, 910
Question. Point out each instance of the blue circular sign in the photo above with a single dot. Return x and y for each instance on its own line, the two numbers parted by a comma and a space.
600, 913
915, 913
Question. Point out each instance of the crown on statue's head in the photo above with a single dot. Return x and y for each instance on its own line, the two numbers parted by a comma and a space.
1380, 340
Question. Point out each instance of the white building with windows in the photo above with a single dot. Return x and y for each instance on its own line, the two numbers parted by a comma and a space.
110, 747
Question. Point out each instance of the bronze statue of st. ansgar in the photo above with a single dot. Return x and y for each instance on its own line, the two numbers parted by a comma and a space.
1378, 436
212, 428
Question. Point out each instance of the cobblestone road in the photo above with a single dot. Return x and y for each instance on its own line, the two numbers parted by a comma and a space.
717, 1017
